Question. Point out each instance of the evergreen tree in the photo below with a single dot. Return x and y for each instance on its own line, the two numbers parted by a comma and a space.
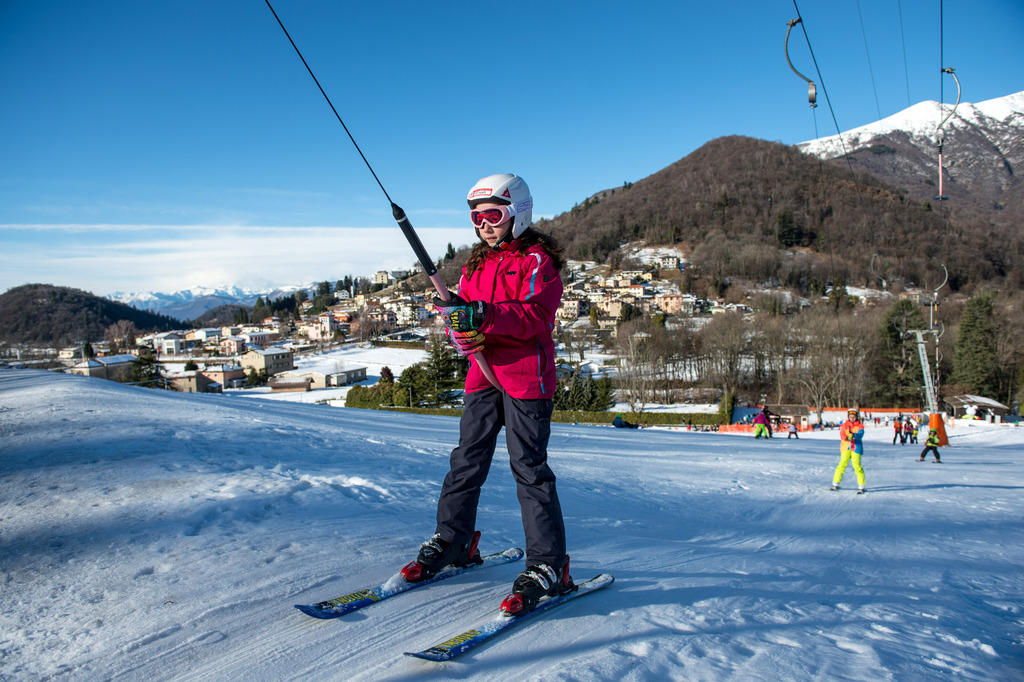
629, 312
442, 373
415, 383
893, 363
603, 395
581, 391
974, 364
560, 401
386, 375
145, 370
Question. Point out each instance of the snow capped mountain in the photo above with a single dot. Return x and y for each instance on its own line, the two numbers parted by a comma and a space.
145, 299
1000, 119
188, 304
983, 153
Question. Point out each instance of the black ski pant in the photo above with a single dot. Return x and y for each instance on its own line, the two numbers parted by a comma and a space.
935, 451
527, 429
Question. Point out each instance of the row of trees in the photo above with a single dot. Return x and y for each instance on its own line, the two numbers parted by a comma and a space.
438, 380
832, 354
829, 355
826, 355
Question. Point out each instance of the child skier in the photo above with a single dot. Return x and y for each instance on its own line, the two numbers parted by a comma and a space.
761, 425
931, 444
851, 435
621, 423
504, 309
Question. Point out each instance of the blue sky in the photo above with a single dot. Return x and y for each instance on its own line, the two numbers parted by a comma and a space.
160, 145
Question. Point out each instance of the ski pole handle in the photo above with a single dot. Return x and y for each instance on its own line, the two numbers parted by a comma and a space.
435, 279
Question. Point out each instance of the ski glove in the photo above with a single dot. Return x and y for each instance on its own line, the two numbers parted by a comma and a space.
460, 315
467, 342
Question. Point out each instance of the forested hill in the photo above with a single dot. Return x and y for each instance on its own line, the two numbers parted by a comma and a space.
764, 211
47, 315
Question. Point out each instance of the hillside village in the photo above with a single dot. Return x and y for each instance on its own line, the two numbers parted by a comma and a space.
596, 299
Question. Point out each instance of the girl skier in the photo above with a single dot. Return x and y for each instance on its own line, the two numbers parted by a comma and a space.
761, 425
851, 435
504, 309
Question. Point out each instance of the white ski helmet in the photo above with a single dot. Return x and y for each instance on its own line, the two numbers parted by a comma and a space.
509, 189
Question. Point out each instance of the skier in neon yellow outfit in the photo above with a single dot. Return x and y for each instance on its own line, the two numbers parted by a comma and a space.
851, 448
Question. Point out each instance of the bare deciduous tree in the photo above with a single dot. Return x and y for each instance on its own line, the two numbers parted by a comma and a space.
636, 379
725, 345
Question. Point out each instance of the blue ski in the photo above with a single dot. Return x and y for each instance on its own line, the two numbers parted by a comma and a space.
396, 584
459, 644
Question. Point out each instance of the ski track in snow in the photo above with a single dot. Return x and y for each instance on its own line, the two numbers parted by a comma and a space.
163, 536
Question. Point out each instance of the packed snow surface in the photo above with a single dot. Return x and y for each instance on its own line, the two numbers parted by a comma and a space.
154, 535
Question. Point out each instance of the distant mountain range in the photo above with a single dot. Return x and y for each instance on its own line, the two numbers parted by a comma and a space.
983, 154
189, 304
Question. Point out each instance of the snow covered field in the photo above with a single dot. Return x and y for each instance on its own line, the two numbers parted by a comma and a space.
154, 535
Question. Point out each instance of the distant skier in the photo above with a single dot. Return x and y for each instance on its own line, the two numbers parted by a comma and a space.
851, 447
761, 427
768, 414
621, 423
509, 291
932, 444
792, 432
897, 427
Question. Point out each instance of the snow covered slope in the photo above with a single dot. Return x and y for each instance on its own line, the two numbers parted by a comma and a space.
155, 535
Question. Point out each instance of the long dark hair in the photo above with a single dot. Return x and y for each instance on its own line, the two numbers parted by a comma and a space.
523, 242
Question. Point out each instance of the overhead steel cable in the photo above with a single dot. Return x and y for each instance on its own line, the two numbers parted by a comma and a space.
828, 100
329, 103
867, 53
903, 43
429, 268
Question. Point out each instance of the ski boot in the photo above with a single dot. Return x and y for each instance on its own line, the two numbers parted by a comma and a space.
835, 486
535, 583
861, 491
437, 553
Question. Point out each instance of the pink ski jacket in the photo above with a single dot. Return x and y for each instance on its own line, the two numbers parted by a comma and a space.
524, 290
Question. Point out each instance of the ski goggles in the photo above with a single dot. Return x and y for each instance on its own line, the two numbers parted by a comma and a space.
492, 216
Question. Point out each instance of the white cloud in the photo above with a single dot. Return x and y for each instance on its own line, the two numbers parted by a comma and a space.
107, 258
